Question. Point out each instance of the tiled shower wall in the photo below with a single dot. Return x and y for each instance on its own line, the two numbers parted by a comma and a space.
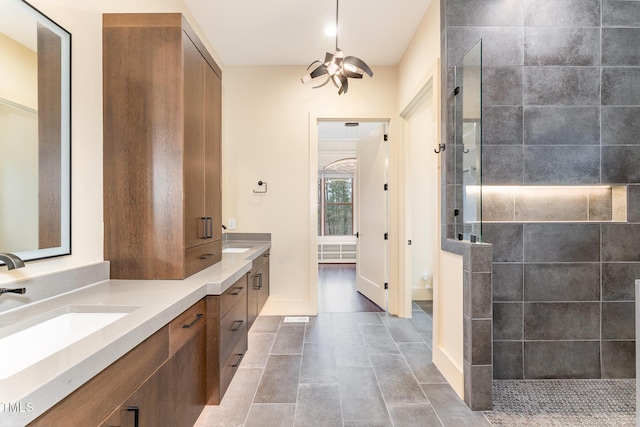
561, 106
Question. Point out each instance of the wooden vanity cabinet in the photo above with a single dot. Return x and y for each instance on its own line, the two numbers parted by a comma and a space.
258, 287
159, 382
226, 337
162, 94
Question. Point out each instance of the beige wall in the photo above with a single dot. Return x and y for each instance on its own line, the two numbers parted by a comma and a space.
420, 64
19, 82
267, 136
83, 19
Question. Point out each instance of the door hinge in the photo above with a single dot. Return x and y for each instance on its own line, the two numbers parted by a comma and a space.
386, 236
456, 90
386, 137
386, 187
357, 234
386, 285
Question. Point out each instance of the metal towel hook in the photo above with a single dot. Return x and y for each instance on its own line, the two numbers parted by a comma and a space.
440, 149
260, 184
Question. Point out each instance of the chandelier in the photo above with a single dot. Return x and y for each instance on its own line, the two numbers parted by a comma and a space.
337, 68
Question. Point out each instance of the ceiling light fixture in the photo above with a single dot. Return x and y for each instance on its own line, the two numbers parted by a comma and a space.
337, 67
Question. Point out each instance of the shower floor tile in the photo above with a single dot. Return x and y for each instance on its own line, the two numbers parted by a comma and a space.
597, 402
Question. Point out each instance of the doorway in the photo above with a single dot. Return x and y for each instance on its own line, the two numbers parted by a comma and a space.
352, 203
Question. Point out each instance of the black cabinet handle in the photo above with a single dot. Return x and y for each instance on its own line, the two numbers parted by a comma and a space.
208, 227
238, 290
136, 414
239, 322
237, 362
205, 256
198, 317
205, 232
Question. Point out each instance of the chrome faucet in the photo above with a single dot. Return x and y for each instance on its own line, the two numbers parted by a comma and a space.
12, 261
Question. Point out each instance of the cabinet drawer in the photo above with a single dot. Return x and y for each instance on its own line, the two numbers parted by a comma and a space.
232, 295
186, 325
259, 262
201, 257
233, 327
229, 365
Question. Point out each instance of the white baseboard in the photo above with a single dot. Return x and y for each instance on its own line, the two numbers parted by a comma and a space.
453, 373
274, 307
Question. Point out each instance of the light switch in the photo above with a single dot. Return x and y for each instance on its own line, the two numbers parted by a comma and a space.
232, 223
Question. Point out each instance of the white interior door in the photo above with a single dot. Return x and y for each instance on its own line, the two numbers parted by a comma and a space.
371, 208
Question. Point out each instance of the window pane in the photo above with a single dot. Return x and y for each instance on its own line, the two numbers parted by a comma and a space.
338, 220
339, 190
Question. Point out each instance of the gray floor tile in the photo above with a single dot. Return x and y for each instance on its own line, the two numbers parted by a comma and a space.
421, 322
318, 406
413, 415
258, 350
427, 338
418, 357
351, 351
235, 405
445, 401
289, 339
318, 364
378, 340
473, 419
271, 415
279, 383
368, 318
319, 329
396, 380
344, 323
368, 423
266, 324
362, 402
401, 330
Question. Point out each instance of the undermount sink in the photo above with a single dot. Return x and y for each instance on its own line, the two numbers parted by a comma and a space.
35, 339
235, 250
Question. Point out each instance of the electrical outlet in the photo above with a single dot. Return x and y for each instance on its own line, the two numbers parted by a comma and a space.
232, 223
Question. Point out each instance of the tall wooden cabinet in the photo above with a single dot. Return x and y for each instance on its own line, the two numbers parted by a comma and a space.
162, 132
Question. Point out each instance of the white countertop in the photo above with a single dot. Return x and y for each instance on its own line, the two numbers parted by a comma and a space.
30, 392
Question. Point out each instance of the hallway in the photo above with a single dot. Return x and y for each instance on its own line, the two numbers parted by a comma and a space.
340, 369
337, 290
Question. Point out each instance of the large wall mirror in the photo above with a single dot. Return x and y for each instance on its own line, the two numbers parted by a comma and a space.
35, 133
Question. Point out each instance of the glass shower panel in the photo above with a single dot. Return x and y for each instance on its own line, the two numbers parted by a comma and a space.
468, 145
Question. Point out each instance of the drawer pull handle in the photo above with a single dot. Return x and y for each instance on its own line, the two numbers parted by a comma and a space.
136, 414
237, 290
239, 322
257, 281
237, 362
205, 256
198, 317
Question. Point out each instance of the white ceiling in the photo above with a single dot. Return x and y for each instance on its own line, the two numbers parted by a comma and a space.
291, 32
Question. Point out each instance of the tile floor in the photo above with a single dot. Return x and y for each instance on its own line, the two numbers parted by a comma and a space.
340, 369
566, 402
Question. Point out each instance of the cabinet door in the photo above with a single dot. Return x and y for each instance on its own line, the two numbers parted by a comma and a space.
152, 403
189, 365
196, 228
212, 151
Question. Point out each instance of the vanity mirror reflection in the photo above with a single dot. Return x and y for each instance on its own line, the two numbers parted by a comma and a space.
35, 141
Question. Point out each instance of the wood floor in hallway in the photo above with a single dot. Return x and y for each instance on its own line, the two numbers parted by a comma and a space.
337, 290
